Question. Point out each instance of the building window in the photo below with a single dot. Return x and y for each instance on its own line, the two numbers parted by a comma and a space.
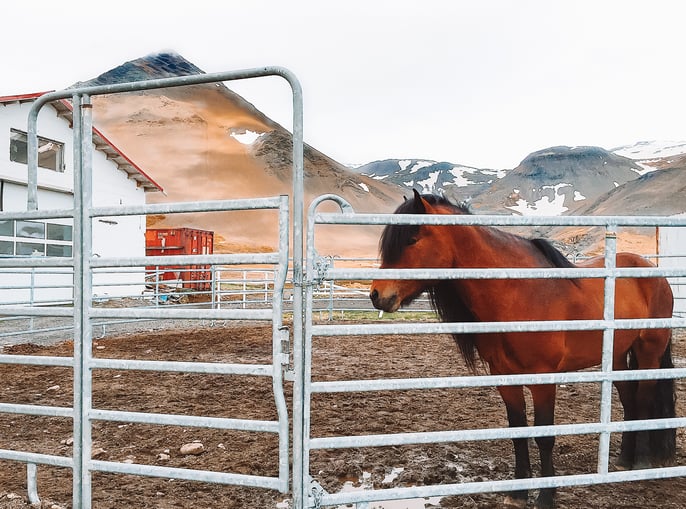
6, 248
7, 228
50, 152
30, 229
35, 238
59, 232
30, 249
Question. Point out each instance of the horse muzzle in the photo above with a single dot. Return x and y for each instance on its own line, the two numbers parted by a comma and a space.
389, 304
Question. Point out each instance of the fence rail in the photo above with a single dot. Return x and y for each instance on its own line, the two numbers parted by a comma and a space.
302, 286
321, 270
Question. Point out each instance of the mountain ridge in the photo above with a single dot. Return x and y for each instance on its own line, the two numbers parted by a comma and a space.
193, 140
207, 142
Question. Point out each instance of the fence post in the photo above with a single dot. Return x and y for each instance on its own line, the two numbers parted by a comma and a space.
608, 347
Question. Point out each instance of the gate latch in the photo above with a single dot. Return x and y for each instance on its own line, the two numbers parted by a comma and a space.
284, 339
322, 264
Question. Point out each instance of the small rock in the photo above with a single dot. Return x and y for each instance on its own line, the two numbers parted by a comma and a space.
193, 448
163, 456
53, 388
98, 451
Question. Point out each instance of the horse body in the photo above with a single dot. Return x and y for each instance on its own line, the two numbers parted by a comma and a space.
498, 300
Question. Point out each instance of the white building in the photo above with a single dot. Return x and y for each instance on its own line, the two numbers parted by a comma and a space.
672, 253
116, 181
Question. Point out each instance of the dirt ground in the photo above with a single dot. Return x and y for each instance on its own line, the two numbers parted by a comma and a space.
332, 414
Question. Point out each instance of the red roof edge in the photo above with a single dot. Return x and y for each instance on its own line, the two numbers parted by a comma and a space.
138, 169
22, 97
65, 102
116, 149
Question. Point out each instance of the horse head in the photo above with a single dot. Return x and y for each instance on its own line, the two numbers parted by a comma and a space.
411, 247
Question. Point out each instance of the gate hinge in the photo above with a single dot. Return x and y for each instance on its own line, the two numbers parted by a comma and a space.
322, 264
316, 494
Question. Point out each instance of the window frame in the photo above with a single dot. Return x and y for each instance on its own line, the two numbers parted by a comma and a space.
38, 245
46, 148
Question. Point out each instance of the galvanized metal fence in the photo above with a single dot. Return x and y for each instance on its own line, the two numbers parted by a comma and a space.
307, 275
84, 315
320, 270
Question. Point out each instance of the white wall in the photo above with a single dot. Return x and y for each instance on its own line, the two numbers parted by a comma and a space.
118, 237
672, 251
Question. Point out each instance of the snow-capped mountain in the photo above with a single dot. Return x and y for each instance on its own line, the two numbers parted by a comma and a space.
557, 180
455, 181
552, 181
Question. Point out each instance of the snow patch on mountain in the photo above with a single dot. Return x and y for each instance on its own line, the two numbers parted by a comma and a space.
543, 206
429, 184
419, 165
645, 150
459, 173
244, 136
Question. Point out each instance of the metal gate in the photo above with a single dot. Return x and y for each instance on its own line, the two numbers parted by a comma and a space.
306, 275
318, 269
83, 263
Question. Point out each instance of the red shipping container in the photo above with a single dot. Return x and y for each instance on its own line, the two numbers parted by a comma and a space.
181, 241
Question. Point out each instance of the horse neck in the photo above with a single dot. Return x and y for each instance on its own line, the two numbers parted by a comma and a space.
486, 247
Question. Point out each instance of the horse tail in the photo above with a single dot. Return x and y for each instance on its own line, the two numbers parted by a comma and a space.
663, 441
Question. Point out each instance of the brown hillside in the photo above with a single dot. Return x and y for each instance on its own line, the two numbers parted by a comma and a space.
185, 139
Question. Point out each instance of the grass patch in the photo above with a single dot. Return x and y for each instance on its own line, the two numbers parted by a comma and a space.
373, 316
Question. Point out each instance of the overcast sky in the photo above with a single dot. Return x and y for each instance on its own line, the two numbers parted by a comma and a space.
480, 83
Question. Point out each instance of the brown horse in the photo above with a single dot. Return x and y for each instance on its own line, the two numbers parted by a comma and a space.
495, 300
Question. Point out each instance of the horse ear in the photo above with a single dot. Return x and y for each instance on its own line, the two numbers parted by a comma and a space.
419, 204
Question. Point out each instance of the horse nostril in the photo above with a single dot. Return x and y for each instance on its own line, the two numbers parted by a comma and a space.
374, 295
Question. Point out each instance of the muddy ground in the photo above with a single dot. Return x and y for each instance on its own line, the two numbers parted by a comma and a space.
333, 414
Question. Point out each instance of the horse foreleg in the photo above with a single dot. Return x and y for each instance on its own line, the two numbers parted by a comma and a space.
645, 405
654, 399
544, 415
513, 396
627, 451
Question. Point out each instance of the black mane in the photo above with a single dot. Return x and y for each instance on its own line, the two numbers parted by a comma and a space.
552, 254
395, 237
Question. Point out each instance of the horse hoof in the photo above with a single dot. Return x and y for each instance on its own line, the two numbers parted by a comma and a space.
518, 503
623, 465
